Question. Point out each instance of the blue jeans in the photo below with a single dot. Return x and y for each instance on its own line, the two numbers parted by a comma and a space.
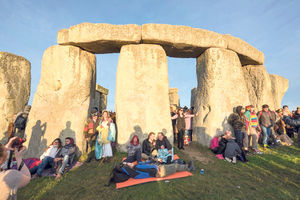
239, 135
266, 134
64, 164
47, 162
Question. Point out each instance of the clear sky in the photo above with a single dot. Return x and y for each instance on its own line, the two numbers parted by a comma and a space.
29, 27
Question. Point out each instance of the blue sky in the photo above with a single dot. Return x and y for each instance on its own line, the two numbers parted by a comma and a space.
28, 28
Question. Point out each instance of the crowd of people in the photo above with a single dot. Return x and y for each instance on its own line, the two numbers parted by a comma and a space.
154, 157
269, 128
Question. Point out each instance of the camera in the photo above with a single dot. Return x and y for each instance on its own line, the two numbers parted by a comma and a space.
18, 143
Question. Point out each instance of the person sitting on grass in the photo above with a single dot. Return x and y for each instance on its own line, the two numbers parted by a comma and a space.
164, 149
148, 147
47, 158
134, 150
65, 156
232, 150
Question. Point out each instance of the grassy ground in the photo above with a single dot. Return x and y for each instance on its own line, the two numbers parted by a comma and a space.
274, 175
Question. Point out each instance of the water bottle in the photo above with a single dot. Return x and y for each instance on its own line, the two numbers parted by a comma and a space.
202, 171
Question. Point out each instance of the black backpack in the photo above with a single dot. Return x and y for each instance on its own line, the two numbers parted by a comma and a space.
20, 122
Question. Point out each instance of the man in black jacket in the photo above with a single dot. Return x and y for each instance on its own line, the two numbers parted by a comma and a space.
292, 122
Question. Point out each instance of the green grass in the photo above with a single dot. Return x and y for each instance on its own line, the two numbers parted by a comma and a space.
274, 175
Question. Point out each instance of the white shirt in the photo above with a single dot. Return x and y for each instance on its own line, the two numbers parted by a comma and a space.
51, 152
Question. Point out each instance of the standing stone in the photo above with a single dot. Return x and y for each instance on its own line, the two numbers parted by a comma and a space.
15, 81
101, 97
194, 93
279, 86
61, 102
259, 86
174, 97
221, 88
142, 93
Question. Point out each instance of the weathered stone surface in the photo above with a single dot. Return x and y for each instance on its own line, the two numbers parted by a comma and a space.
247, 53
15, 81
181, 41
279, 86
142, 93
174, 97
194, 93
259, 86
222, 87
101, 97
100, 38
61, 102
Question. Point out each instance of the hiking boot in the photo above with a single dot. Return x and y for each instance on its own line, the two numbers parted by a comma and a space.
234, 160
191, 166
227, 159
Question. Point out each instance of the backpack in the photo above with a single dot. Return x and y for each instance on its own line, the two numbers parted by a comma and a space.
118, 175
20, 122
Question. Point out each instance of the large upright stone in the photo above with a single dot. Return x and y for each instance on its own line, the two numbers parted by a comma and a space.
100, 38
174, 97
61, 102
181, 41
222, 87
142, 93
259, 86
279, 86
194, 94
101, 97
15, 81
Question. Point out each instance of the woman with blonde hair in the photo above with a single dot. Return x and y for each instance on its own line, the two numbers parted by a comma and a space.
106, 135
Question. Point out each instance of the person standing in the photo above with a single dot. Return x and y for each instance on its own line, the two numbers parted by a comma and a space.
107, 131
180, 125
265, 122
253, 129
188, 117
238, 121
175, 131
292, 122
90, 132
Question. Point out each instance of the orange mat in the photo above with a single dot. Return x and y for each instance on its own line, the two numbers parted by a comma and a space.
131, 181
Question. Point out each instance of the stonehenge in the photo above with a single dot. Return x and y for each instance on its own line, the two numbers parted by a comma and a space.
15, 80
230, 72
100, 100
174, 97
142, 93
62, 100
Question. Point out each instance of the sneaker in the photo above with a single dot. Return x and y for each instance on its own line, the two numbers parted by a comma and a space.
257, 151
234, 160
228, 159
